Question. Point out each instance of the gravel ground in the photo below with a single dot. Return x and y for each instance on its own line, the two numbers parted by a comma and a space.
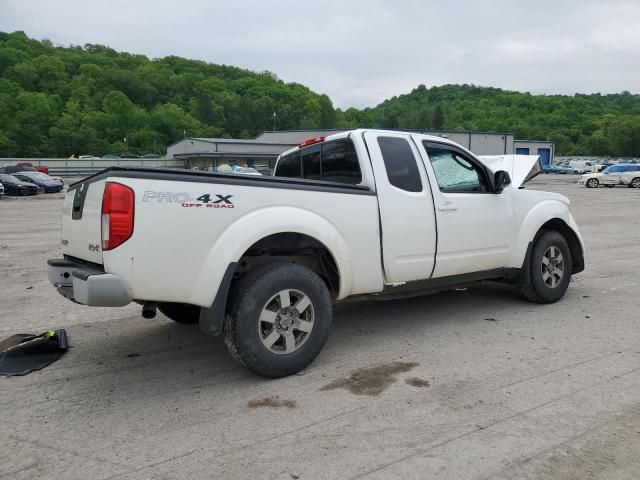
460, 385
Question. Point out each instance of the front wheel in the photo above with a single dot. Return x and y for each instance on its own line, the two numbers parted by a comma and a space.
550, 269
635, 183
279, 319
593, 183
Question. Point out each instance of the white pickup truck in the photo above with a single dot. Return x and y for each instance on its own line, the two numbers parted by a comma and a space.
261, 259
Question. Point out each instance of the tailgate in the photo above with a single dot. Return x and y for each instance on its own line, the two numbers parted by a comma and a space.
81, 221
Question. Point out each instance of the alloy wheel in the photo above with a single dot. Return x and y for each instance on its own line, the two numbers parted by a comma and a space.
286, 321
552, 267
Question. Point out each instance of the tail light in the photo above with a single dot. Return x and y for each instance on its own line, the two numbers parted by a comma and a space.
117, 215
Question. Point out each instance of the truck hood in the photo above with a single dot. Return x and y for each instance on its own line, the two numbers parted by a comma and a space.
521, 168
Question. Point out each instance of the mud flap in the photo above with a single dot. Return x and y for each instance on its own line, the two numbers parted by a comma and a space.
212, 319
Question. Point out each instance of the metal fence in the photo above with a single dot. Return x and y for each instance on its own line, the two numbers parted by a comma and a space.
62, 167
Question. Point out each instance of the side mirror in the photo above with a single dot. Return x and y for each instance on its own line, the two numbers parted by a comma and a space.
501, 179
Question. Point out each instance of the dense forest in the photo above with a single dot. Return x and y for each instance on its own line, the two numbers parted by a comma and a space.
603, 125
90, 99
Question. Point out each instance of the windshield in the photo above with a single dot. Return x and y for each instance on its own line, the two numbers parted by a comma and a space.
9, 179
612, 169
37, 175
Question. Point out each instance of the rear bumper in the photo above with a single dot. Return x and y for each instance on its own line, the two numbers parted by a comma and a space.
83, 284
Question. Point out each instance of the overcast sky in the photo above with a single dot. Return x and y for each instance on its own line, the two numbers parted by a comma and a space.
361, 52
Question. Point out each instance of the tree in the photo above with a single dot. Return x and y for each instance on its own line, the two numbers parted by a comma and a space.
438, 118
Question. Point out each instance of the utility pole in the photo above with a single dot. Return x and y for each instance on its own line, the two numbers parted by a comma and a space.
274, 121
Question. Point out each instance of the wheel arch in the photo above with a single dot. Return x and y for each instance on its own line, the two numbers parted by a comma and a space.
548, 215
273, 224
575, 245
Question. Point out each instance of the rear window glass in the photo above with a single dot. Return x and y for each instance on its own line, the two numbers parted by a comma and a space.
400, 164
311, 162
289, 166
340, 162
334, 161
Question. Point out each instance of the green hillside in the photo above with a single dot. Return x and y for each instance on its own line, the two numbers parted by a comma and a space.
86, 100
579, 125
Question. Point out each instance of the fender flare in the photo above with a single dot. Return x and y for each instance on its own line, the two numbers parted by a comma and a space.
537, 217
252, 227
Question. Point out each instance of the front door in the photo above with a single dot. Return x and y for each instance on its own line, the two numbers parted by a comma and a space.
476, 227
407, 218
612, 175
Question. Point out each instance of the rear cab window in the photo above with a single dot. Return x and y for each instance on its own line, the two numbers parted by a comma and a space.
331, 161
400, 164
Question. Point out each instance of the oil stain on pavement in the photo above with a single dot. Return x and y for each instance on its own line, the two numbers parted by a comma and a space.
372, 380
417, 382
273, 402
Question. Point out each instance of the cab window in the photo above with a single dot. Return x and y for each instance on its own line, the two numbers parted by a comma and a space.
454, 172
334, 161
311, 162
289, 166
340, 162
400, 163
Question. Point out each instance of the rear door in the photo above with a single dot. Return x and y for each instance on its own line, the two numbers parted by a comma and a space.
631, 172
405, 203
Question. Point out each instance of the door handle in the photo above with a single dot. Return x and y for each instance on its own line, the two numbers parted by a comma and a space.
447, 207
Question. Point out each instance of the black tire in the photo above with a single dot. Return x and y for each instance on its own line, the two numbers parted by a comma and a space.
245, 332
538, 290
635, 182
592, 183
180, 312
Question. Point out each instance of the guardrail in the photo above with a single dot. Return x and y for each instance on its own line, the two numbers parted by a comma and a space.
63, 167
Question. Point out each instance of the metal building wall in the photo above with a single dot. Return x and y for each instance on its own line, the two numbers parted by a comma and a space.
199, 145
533, 146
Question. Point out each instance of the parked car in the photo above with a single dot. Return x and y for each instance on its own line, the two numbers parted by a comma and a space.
263, 169
559, 169
129, 155
246, 171
15, 186
87, 157
110, 157
11, 169
620, 174
1, 190
262, 259
49, 184
39, 168
150, 155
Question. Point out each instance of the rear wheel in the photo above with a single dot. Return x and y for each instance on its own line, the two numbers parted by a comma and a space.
593, 183
180, 312
279, 319
635, 183
550, 268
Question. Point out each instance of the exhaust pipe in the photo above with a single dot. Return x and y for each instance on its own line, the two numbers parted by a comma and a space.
149, 310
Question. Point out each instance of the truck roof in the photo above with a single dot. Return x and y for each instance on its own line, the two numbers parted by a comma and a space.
348, 133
